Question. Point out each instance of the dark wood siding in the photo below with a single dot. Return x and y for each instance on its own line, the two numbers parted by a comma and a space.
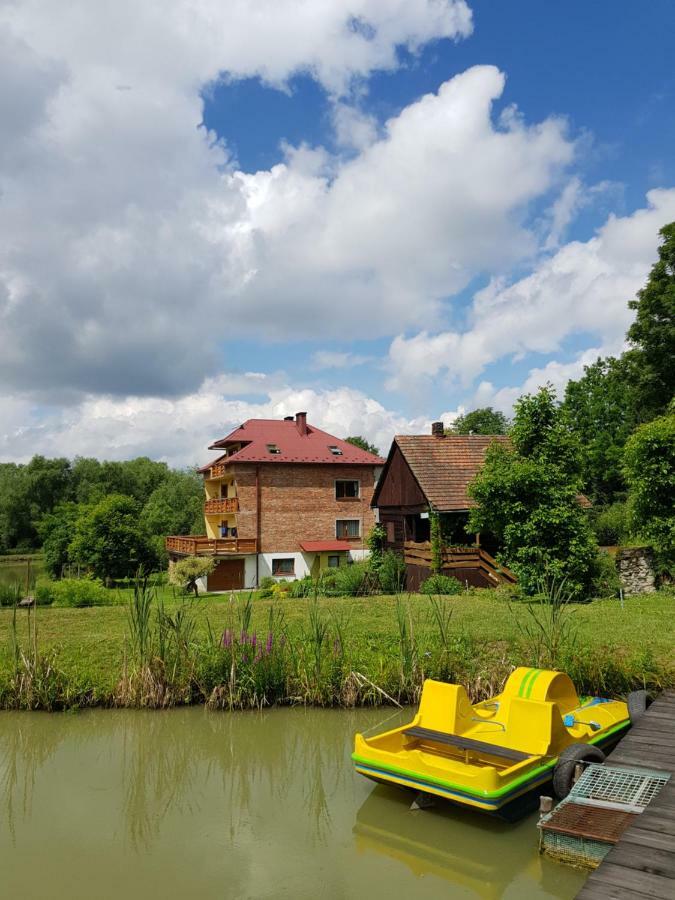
398, 486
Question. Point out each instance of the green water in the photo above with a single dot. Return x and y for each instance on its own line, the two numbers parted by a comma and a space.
188, 803
21, 569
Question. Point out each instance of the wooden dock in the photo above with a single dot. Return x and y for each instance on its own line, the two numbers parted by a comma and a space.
642, 864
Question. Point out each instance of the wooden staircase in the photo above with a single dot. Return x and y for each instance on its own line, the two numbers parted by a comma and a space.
471, 564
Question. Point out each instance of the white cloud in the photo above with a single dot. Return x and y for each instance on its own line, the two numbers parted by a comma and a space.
584, 288
180, 430
334, 359
131, 247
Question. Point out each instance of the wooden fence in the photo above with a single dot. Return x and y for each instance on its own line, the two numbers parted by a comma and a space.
471, 564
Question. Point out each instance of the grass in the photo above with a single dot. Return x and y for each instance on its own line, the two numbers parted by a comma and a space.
335, 650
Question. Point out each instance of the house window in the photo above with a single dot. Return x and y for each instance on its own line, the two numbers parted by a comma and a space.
334, 562
335, 451
347, 528
346, 490
284, 565
272, 448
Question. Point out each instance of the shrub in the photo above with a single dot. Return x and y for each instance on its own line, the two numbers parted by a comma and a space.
77, 592
10, 594
441, 584
265, 587
302, 587
351, 580
44, 591
392, 573
605, 581
185, 573
610, 524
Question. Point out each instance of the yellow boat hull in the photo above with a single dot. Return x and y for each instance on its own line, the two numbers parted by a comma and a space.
488, 755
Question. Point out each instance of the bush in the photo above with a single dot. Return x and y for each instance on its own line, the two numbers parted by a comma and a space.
610, 524
351, 580
265, 587
44, 591
302, 587
78, 592
10, 594
441, 584
392, 573
605, 581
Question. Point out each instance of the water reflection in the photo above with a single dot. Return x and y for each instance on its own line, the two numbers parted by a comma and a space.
260, 804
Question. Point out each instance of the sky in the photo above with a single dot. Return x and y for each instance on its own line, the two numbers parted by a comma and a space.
383, 212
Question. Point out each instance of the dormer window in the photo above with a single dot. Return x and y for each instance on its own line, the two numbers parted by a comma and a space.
335, 451
273, 449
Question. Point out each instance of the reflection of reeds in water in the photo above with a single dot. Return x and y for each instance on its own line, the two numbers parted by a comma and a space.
23, 751
160, 771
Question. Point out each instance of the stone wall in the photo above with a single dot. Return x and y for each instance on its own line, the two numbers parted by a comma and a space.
636, 570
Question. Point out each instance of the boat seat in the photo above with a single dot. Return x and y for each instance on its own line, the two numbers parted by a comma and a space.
442, 737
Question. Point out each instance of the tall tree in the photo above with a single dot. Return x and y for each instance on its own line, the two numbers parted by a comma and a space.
109, 539
526, 495
361, 442
650, 472
652, 334
601, 410
484, 420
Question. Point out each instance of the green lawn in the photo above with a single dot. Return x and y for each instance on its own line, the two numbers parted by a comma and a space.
614, 647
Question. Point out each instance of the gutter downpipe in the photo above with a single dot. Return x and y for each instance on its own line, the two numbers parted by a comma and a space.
257, 526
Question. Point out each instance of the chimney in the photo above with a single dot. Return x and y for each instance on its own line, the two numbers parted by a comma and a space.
437, 429
301, 422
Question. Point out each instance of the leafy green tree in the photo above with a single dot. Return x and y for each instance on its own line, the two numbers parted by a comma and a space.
57, 532
526, 495
110, 540
175, 507
361, 442
185, 573
484, 420
649, 463
601, 410
652, 334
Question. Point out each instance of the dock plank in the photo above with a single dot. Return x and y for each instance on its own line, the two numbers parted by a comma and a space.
642, 864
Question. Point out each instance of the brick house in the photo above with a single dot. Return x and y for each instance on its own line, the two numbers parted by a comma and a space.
284, 499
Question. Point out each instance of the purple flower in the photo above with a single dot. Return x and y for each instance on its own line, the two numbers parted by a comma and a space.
254, 640
243, 637
269, 642
226, 639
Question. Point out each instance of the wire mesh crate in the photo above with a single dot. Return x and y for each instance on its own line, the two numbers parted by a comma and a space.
601, 805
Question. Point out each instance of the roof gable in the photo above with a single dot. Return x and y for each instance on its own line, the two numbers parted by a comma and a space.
443, 467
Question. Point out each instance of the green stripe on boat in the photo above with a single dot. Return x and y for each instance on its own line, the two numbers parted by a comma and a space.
526, 679
537, 673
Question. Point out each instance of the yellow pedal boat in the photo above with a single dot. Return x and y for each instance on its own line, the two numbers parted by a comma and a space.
489, 754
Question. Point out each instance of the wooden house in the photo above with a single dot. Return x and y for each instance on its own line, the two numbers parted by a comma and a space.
431, 473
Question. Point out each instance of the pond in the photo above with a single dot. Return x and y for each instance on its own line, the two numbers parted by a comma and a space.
191, 803
21, 569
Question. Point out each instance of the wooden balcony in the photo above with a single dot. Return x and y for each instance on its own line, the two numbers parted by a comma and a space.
221, 505
218, 470
201, 545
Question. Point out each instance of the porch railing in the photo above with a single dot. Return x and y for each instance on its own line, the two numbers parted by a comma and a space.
418, 553
198, 545
221, 505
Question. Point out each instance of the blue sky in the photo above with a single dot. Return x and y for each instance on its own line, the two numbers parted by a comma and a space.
611, 80
381, 212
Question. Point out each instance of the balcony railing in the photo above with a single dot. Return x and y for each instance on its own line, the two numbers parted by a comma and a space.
191, 545
218, 470
221, 505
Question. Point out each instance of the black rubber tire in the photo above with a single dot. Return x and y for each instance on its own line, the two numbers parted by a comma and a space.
637, 705
563, 773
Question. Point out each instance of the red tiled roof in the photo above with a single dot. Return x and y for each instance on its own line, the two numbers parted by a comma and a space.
311, 447
323, 546
444, 466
